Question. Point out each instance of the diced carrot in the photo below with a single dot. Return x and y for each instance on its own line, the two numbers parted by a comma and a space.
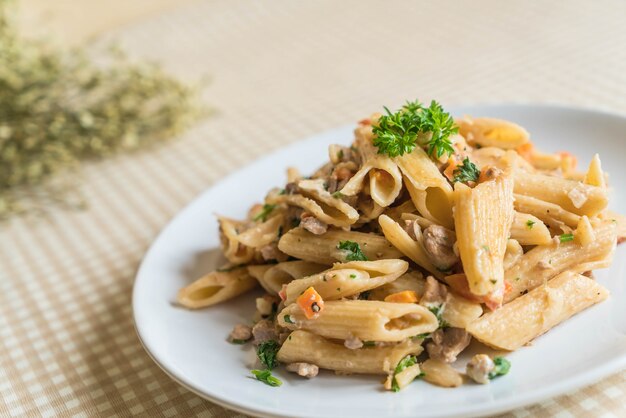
489, 173
406, 296
310, 302
526, 151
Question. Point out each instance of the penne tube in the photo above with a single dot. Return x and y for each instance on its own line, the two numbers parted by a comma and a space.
258, 272
594, 175
551, 214
584, 234
234, 250
322, 249
459, 312
315, 199
492, 132
434, 204
262, 234
216, 287
303, 346
483, 217
619, 221
441, 374
280, 274
529, 230
542, 263
347, 279
406, 245
407, 376
533, 314
572, 196
385, 179
366, 320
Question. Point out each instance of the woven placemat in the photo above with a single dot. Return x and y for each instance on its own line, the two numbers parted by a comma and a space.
280, 71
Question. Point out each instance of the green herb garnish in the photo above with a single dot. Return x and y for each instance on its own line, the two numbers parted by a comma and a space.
266, 377
530, 224
265, 212
353, 251
240, 342
337, 195
266, 351
353, 276
288, 319
466, 172
566, 237
400, 132
369, 343
405, 363
502, 367
438, 312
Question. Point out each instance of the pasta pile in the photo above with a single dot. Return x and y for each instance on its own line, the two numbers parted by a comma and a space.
407, 244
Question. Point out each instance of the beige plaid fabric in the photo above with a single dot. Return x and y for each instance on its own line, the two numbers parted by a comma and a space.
280, 71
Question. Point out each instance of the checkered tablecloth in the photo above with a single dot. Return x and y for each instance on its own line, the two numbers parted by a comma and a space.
279, 71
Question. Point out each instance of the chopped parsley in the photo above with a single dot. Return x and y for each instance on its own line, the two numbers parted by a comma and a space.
530, 224
337, 195
265, 212
266, 351
405, 363
353, 276
422, 336
288, 319
266, 377
352, 250
237, 341
466, 172
369, 343
566, 237
438, 312
400, 132
502, 367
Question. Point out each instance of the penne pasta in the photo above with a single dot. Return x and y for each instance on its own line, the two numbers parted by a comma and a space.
491, 132
323, 249
347, 279
216, 287
234, 250
366, 320
572, 196
529, 230
400, 239
542, 263
319, 202
483, 218
262, 234
303, 346
281, 274
533, 314
385, 179
549, 213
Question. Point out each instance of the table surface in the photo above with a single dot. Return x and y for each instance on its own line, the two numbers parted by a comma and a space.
279, 71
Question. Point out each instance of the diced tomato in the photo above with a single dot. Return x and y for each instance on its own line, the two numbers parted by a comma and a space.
526, 151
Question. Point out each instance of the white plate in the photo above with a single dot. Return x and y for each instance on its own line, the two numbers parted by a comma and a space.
191, 346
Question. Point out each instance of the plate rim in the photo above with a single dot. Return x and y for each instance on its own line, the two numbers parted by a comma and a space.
530, 397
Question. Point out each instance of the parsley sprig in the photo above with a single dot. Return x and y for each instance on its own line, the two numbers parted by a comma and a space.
266, 352
405, 363
400, 132
352, 250
566, 237
466, 172
438, 312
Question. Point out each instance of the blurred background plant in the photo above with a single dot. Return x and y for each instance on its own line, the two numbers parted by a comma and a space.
59, 108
